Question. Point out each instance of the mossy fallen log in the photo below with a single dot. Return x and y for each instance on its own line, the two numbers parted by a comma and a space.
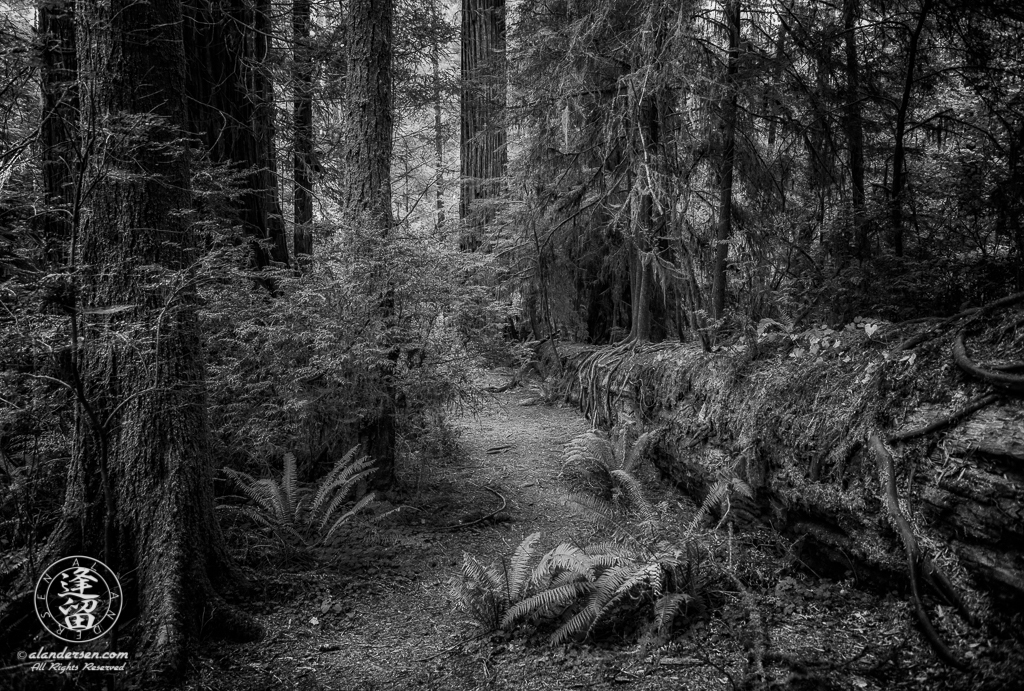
792, 420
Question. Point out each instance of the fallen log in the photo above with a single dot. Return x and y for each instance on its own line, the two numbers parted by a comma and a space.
794, 429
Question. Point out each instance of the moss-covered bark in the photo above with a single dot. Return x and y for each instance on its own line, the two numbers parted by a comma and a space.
794, 425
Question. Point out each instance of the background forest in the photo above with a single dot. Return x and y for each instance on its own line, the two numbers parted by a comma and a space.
256, 235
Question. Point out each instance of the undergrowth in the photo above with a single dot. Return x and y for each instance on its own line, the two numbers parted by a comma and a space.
650, 578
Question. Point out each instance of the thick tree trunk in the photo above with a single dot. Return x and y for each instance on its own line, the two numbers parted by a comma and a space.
140, 482
899, 154
302, 122
366, 197
231, 109
855, 127
796, 430
482, 141
59, 127
725, 176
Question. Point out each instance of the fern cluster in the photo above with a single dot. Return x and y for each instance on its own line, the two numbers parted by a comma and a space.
577, 590
611, 465
300, 518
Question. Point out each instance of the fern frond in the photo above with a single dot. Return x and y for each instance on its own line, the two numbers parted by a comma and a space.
637, 500
360, 505
344, 489
564, 557
520, 569
600, 507
289, 487
570, 630
667, 608
342, 475
544, 601
639, 450
255, 490
718, 492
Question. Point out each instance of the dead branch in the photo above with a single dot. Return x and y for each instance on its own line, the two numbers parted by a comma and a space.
945, 421
1010, 382
915, 559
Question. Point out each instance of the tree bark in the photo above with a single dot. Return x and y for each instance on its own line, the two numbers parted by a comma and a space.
435, 67
59, 126
366, 199
483, 136
302, 116
140, 490
231, 109
725, 176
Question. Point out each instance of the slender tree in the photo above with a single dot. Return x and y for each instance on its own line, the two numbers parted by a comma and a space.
302, 123
728, 159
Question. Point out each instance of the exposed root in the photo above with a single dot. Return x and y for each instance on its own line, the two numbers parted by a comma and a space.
1004, 380
916, 561
492, 514
935, 331
945, 421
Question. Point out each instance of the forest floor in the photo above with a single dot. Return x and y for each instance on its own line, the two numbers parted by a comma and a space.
381, 615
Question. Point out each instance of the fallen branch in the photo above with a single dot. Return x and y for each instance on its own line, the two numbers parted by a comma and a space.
944, 421
915, 559
1011, 382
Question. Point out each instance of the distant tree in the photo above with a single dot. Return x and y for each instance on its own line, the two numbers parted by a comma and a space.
231, 109
302, 127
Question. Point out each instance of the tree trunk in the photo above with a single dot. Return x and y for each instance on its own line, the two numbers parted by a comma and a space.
899, 153
855, 127
302, 115
140, 489
482, 141
366, 198
725, 176
231, 109
435, 67
59, 127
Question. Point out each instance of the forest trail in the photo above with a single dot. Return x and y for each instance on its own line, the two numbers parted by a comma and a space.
382, 617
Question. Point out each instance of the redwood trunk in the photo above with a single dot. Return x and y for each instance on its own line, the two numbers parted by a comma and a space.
483, 137
366, 199
231, 109
140, 481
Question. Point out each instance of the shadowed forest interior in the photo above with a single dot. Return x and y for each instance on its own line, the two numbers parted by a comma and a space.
387, 344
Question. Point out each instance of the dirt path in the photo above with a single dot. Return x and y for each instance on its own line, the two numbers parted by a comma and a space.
382, 617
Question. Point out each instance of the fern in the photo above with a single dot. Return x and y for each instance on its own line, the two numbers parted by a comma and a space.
613, 464
282, 507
